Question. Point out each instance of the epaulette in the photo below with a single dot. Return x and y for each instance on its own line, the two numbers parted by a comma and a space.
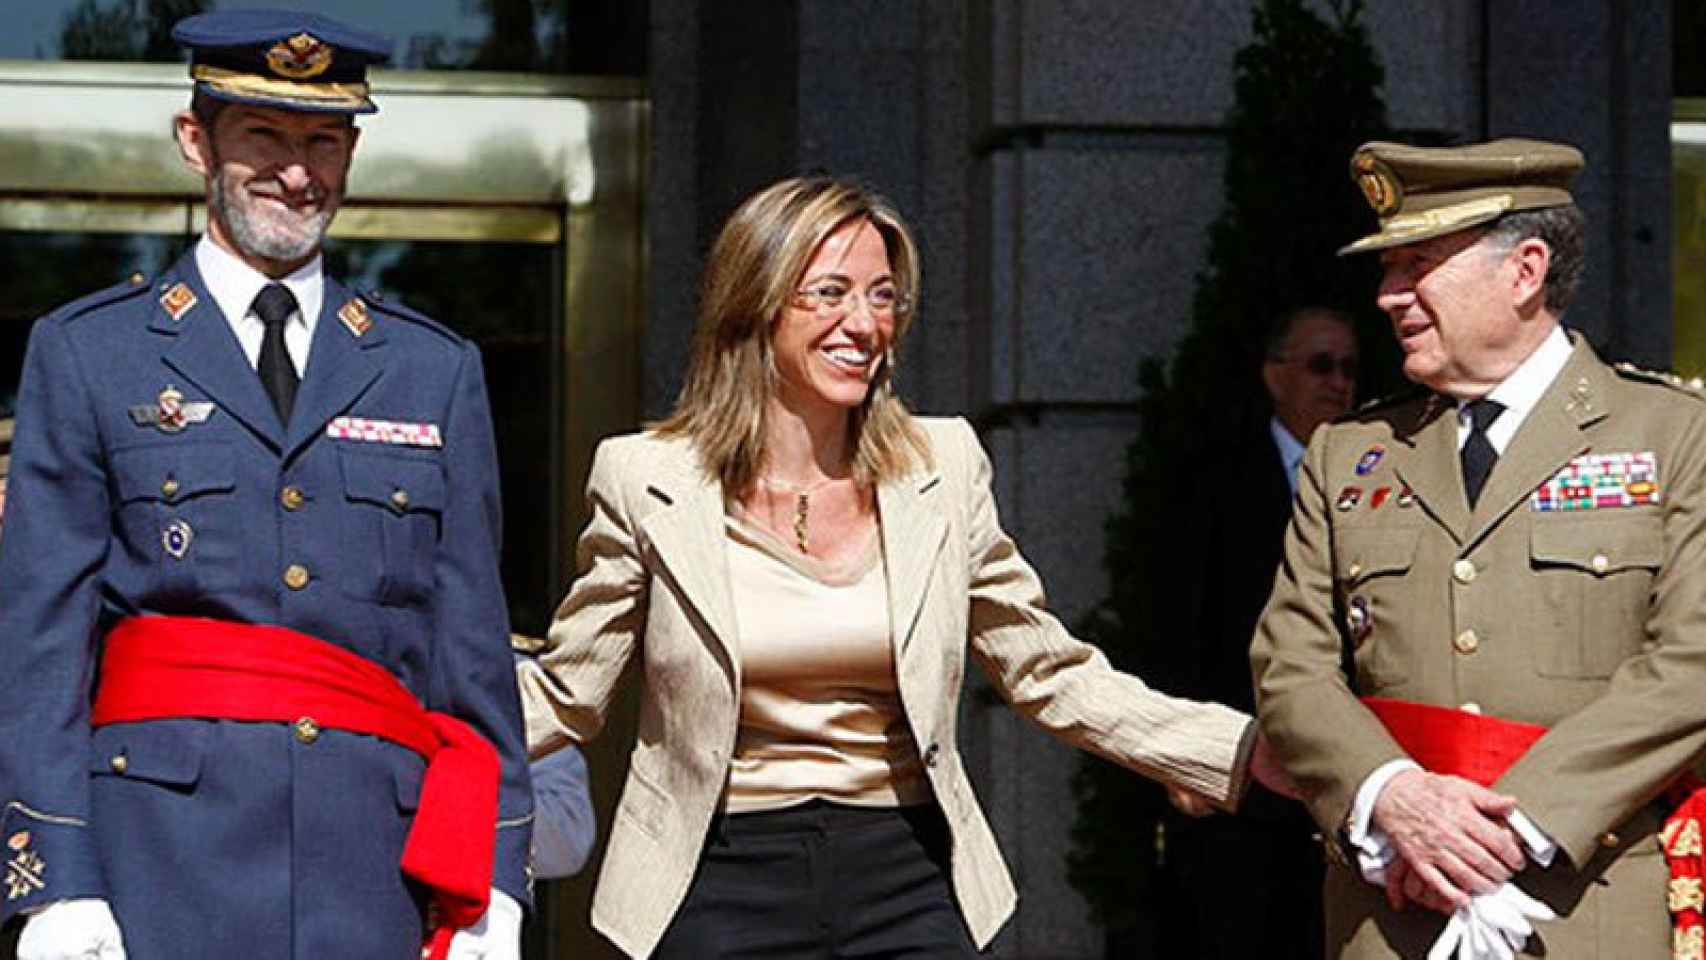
1407, 395
377, 301
134, 285
1694, 386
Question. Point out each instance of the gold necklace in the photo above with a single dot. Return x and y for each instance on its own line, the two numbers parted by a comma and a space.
802, 504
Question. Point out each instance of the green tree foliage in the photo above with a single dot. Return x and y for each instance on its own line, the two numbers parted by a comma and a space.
1307, 93
125, 29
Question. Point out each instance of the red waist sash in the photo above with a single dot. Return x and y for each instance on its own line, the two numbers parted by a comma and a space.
1475, 747
159, 668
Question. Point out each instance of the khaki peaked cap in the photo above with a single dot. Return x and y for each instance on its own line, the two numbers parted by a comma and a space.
1425, 192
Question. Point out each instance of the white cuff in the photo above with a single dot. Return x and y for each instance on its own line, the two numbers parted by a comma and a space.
1541, 848
1374, 851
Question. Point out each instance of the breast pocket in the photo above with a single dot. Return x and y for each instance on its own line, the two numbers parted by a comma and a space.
1370, 571
394, 515
177, 515
1594, 575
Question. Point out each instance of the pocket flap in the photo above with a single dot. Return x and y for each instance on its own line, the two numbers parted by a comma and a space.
1599, 545
168, 751
400, 484
173, 471
1361, 554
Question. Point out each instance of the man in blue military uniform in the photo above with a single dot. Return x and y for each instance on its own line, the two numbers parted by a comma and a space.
252, 600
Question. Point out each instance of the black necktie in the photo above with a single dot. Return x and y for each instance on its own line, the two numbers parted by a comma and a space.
274, 305
1478, 453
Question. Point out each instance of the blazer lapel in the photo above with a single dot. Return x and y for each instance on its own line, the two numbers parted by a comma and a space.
913, 530
689, 540
1428, 464
1549, 437
205, 352
341, 366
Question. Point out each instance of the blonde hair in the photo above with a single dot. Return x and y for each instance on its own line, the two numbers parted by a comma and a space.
751, 274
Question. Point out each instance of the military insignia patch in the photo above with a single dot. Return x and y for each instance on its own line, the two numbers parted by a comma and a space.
1378, 497
1598, 481
1348, 498
385, 431
171, 412
175, 537
26, 872
1370, 459
302, 57
355, 317
178, 300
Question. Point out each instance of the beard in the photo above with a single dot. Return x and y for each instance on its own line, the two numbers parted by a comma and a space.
268, 231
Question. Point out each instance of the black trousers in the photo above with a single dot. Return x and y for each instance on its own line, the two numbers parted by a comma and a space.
822, 880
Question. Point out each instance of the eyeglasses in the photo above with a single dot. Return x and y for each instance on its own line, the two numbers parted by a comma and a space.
829, 296
1323, 364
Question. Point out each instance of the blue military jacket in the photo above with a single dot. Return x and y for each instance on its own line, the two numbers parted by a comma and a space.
150, 475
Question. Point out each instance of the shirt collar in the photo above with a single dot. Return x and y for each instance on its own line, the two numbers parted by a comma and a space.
234, 284
1521, 391
1290, 450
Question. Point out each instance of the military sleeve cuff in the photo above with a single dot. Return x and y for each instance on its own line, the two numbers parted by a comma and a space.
47, 858
510, 872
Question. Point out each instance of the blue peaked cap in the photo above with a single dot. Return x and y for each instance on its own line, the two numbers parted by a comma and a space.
282, 58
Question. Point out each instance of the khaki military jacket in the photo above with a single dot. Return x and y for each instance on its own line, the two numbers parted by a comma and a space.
1591, 622
653, 588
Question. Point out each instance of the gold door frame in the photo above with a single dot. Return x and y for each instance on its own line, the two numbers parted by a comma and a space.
451, 156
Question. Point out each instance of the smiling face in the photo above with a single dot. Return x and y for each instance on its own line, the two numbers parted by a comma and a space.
827, 356
275, 179
1460, 307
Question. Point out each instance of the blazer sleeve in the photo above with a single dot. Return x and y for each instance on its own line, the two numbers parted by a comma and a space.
598, 625
1067, 686
1602, 762
473, 654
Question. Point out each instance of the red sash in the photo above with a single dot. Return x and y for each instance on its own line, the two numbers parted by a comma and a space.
158, 668
1478, 748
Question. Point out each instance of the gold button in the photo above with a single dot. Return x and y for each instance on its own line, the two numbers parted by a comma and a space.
1467, 642
137, 279
120, 763
307, 729
1463, 571
1609, 840
169, 489
292, 498
1353, 571
1471, 707
400, 499
1600, 563
296, 576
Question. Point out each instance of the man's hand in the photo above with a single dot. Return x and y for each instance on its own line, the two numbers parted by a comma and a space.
1189, 802
1450, 836
495, 936
1265, 767
72, 930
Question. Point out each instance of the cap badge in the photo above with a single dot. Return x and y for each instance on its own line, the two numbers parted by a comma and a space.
178, 300
1379, 185
302, 57
355, 318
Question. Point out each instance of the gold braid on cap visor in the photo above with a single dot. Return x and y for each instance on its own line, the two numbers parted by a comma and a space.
1434, 222
249, 85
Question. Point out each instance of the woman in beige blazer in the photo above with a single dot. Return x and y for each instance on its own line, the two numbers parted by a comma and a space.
801, 568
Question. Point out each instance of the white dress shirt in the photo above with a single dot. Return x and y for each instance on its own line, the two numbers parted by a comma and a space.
1291, 451
234, 285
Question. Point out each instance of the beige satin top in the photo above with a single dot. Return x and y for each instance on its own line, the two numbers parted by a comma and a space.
820, 712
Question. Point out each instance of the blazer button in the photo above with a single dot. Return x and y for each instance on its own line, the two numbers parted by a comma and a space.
1463, 571
1467, 642
930, 753
307, 729
292, 498
169, 489
400, 499
120, 763
296, 576
1610, 840
1600, 563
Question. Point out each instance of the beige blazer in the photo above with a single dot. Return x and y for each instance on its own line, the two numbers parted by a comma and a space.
654, 585
1589, 622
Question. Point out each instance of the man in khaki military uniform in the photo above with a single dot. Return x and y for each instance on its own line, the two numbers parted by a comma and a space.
1523, 540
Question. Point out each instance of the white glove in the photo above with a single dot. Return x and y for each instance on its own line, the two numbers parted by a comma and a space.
495, 936
1494, 926
71, 930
